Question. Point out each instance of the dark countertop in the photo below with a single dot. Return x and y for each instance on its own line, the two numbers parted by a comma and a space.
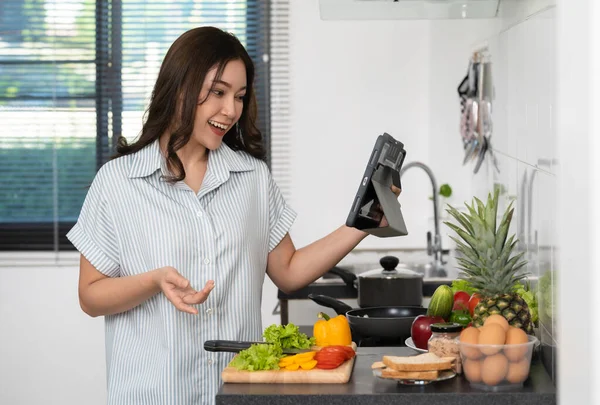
363, 388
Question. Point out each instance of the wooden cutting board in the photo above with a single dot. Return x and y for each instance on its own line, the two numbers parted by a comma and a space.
340, 375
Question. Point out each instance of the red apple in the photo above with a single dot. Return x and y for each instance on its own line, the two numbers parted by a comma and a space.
420, 330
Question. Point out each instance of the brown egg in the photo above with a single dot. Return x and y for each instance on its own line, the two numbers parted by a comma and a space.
492, 334
516, 336
472, 370
470, 335
494, 369
499, 319
518, 372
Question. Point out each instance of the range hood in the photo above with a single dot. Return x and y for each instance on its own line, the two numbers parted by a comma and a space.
407, 9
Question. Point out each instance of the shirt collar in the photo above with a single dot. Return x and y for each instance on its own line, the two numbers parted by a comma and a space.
222, 160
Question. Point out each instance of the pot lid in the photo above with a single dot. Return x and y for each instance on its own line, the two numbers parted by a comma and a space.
389, 270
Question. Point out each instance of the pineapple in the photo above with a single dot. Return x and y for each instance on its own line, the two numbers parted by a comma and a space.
488, 264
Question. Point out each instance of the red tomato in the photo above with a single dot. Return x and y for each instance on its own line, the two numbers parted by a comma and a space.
327, 366
324, 357
347, 351
333, 357
473, 301
461, 301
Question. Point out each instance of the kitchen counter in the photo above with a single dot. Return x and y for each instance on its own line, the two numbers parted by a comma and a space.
364, 389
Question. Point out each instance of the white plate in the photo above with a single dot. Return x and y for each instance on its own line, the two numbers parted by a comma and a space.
409, 343
444, 375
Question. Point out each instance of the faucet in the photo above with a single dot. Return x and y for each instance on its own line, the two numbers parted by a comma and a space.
433, 249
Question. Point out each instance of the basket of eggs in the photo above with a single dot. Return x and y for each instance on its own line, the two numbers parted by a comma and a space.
496, 356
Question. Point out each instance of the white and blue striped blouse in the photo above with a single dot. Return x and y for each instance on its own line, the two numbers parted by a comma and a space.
133, 221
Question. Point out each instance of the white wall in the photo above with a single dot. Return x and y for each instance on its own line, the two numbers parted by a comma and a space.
50, 351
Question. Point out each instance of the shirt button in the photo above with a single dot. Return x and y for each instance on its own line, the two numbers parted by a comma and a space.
210, 362
199, 214
206, 261
209, 311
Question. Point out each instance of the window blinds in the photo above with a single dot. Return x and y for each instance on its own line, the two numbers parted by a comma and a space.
75, 74
281, 142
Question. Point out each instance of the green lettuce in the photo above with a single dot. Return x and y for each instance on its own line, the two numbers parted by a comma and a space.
258, 357
462, 285
288, 336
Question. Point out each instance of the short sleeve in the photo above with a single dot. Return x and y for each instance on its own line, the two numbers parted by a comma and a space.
281, 215
94, 234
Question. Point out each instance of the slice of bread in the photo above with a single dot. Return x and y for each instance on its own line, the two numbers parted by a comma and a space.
377, 364
421, 362
410, 375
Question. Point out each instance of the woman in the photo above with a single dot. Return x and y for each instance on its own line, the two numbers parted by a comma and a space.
177, 231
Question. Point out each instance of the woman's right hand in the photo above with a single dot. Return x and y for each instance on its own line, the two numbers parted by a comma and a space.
177, 289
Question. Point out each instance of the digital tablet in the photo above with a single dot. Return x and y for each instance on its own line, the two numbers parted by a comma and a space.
374, 197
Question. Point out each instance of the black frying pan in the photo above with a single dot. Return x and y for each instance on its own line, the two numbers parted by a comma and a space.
376, 322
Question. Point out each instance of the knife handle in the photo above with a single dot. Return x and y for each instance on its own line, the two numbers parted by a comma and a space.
232, 346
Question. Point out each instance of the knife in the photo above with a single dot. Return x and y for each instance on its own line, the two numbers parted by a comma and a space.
235, 346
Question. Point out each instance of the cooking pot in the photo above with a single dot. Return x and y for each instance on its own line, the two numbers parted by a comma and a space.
386, 286
376, 322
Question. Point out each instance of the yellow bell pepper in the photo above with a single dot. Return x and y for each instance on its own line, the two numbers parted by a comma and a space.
302, 360
332, 331
293, 367
309, 365
304, 357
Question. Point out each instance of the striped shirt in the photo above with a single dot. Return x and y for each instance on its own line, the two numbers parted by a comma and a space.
133, 221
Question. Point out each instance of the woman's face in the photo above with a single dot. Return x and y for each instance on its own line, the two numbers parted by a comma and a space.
222, 106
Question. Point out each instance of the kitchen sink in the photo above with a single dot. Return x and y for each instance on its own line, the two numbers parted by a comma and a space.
427, 269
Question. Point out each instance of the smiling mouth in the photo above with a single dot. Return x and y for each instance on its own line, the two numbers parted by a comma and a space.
218, 125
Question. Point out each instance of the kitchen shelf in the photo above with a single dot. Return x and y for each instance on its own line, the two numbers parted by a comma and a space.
407, 9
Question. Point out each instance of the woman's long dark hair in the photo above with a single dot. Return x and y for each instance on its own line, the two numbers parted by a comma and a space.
181, 77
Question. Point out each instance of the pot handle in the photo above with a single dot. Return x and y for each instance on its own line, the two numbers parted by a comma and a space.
338, 306
346, 275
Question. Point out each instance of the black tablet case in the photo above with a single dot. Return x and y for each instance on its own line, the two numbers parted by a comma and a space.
375, 197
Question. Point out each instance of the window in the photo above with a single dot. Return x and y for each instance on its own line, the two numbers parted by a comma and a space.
75, 74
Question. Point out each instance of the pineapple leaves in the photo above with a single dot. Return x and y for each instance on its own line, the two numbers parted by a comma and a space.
503, 229
481, 211
464, 235
512, 263
461, 218
485, 250
465, 250
491, 212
